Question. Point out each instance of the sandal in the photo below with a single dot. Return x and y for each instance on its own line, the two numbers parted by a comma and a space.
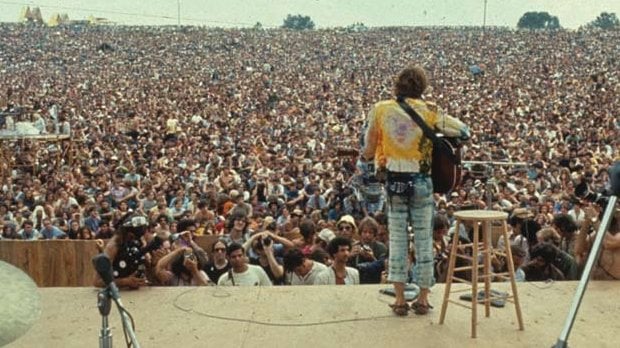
420, 308
400, 310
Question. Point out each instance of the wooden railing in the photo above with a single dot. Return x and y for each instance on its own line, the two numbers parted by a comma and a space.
52, 263
61, 263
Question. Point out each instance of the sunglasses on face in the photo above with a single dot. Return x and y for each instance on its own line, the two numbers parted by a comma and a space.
345, 228
219, 249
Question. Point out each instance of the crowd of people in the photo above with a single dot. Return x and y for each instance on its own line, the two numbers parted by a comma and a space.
251, 135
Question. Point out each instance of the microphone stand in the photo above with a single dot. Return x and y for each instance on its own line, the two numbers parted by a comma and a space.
104, 305
585, 277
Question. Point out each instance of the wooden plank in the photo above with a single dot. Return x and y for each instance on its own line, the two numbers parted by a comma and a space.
206, 242
52, 263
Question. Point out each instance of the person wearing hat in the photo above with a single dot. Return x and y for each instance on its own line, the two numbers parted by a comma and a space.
347, 227
396, 144
455, 198
125, 252
323, 238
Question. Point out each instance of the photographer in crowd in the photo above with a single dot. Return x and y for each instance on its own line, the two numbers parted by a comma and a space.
182, 266
125, 252
183, 263
209, 137
265, 249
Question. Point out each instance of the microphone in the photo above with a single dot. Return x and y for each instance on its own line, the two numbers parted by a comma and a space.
103, 266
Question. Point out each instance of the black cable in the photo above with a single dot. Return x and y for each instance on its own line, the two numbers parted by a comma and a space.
257, 322
133, 327
549, 282
122, 311
127, 343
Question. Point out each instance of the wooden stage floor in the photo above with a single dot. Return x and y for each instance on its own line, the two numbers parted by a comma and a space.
322, 317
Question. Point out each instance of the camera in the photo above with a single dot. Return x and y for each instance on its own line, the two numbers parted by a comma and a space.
266, 241
129, 259
263, 242
188, 255
582, 190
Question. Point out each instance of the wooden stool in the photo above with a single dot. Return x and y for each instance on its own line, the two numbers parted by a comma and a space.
484, 218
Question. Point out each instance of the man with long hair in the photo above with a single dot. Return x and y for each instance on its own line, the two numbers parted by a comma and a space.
395, 143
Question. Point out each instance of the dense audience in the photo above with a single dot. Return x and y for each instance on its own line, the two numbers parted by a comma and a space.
250, 135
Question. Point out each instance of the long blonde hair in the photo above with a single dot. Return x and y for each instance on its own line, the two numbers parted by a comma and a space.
35, 218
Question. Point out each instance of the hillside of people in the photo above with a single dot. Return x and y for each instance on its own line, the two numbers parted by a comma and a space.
251, 135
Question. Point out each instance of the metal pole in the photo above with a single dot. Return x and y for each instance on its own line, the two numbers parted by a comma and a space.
496, 163
585, 277
484, 19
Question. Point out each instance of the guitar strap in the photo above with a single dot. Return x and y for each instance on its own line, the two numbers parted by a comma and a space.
428, 132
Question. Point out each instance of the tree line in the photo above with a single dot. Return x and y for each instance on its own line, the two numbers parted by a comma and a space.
529, 20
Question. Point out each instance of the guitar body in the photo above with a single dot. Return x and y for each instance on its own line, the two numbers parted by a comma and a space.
446, 165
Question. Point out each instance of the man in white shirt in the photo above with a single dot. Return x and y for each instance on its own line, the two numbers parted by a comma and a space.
339, 274
300, 270
241, 273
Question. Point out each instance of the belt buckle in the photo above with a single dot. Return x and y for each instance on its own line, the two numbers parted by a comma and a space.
400, 187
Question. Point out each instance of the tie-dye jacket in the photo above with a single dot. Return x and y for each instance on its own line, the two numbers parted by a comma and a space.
397, 143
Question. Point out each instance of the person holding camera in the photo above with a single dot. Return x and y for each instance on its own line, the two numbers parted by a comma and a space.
240, 272
183, 267
125, 251
265, 249
396, 144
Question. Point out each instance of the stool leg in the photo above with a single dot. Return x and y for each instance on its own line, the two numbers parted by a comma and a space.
451, 263
486, 241
513, 283
474, 282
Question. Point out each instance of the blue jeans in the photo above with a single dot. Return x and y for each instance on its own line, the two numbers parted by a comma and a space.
372, 208
415, 209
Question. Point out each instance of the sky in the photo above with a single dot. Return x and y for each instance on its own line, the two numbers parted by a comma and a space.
324, 13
